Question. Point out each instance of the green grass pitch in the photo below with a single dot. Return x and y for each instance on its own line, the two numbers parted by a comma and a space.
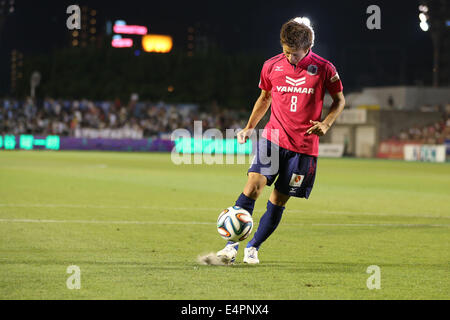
135, 223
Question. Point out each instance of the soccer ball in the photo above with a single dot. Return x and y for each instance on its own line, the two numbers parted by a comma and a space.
234, 224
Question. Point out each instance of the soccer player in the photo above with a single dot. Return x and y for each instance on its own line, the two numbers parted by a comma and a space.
294, 84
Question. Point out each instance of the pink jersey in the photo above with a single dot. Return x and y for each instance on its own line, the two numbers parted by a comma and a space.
297, 98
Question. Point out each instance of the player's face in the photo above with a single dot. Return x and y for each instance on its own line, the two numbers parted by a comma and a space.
294, 55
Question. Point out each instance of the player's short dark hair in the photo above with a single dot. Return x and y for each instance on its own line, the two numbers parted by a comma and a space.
296, 35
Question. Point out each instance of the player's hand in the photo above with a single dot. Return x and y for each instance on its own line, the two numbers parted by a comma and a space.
243, 135
318, 128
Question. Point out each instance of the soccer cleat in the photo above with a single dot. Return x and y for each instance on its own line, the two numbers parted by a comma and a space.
251, 255
228, 254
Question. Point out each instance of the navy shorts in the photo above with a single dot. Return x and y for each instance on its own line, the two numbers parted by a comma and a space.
295, 171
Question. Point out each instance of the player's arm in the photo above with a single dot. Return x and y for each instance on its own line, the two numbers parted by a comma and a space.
259, 110
321, 128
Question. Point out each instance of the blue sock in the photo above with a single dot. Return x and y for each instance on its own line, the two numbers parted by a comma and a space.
267, 224
248, 204
245, 202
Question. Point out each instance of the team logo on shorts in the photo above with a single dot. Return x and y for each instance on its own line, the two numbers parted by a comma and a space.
312, 69
296, 180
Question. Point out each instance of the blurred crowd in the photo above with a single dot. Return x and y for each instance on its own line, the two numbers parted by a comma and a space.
65, 117
434, 133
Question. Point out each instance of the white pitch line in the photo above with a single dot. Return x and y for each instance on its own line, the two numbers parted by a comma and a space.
81, 206
380, 214
381, 225
105, 221
211, 223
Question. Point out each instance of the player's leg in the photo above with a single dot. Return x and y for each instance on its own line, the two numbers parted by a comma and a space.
267, 225
296, 179
270, 219
260, 174
252, 189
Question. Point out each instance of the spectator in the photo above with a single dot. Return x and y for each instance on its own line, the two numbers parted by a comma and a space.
65, 117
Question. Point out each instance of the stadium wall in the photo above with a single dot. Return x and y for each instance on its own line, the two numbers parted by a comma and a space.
361, 131
398, 97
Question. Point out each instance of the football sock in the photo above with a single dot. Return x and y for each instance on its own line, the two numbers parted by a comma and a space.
245, 202
267, 224
248, 204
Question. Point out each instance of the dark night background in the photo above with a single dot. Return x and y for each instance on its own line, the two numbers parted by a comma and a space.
398, 54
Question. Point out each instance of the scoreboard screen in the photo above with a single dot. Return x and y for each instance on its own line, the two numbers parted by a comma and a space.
29, 142
181, 145
212, 146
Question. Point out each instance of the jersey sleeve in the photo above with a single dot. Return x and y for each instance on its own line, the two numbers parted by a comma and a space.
264, 81
333, 82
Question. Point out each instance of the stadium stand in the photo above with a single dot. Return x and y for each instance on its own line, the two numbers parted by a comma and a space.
64, 117
433, 133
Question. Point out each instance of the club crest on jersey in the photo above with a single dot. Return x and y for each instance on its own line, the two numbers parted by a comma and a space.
312, 69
